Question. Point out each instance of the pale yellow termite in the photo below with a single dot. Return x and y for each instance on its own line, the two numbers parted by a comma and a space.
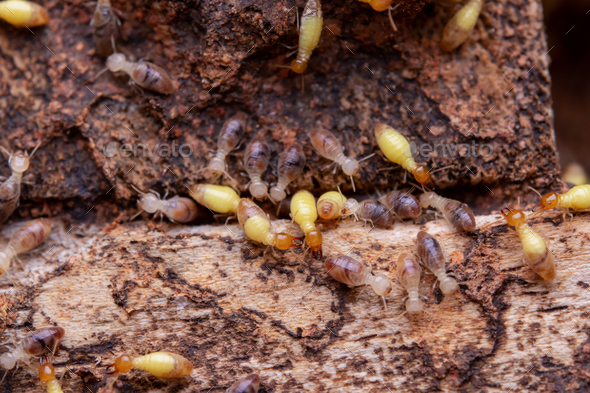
160, 364
220, 199
143, 73
332, 205
47, 375
312, 24
536, 253
397, 149
575, 174
27, 237
21, 13
576, 199
461, 25
304, 213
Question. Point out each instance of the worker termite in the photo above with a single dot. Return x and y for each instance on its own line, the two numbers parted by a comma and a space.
536, 253
408, 273
10, 189
160, 364
21, 13
106, 28
256, 159
37, 343
461, 25
376, 213
576, 199
328, 146
291, 163
142, 73
402, 204
457, 213
349, 271
256, 225
397, 149
220, 199
312, 24
249, 384
432, 256
27, 237
332, 205
177, 209
304, 213
47, 375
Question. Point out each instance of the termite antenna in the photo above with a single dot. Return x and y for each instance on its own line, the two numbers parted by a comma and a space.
35, 149
99, 74
536, 192
367, 157
113, 44
352, 181
389, 11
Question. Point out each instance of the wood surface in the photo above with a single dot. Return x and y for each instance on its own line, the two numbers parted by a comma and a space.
207, 293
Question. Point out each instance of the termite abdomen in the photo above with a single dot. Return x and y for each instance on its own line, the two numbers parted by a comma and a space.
461, 25
375, 212
401, 203
249, 384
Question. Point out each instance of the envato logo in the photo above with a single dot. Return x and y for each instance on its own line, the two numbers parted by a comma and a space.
451, 150
145, 150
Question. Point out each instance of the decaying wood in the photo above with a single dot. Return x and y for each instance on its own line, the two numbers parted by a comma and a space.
208, 294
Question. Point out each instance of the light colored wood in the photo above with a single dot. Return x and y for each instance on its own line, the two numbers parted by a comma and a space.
206, 293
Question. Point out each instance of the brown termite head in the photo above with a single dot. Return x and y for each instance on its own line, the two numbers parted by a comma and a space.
548, 202
116, 62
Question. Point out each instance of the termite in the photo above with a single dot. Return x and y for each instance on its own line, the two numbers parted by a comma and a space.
21, 13
349, 271
160, 364
328, 146
576, 199
220, 199
458, 214
376, 213
461, 25
256, 225
575, 174
312, 24
291, 163
249, 384
332, 205
38, 343
10, 189
143, 73
304, 213
408, 273
47, 375
536, 253
432, 256
256, 159
397, 149
106, 28
402, 204
177, 209
27, 237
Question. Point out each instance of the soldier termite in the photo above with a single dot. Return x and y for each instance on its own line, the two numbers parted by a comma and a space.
349, 271
461, 25
304, 213
291, 163
536, 253
328, 146
106, 28
10, 189
37, 343
27, 237
432, 256
576, 199
21, 13
256, 159
220, 199
332, 205
309, 34
376, 213
249, 384
47, 375
397, 149
408, 273
256, 225
402, 204
142, 73
458, 214
160, 364
177, 209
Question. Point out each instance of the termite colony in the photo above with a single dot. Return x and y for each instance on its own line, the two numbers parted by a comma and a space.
309, 214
